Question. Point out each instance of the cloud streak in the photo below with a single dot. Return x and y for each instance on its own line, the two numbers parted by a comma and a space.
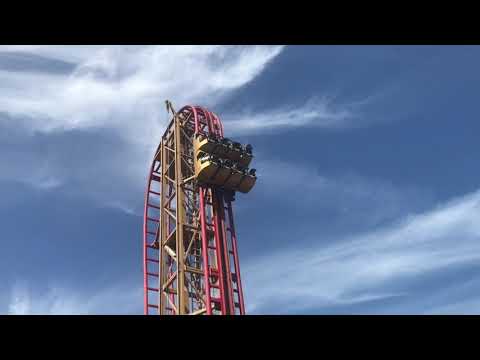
114, 95
57, 300
119, 91
346, 196
319, 112
360, 268
124, 87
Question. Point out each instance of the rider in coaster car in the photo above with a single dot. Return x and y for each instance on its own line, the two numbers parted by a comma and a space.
227, 163
209, 157
238, 167
236, 146
212, 137
226, 142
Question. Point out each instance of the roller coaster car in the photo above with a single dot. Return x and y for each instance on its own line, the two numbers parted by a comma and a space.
240, 181
209, 169
224, 148
248, 181
222, 172
247, 184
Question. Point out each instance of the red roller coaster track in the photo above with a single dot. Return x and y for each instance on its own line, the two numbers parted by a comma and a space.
190, 251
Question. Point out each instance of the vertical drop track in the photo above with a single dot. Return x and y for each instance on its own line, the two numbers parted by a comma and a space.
190, 245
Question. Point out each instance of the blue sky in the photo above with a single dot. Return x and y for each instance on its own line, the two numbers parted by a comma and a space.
368, 198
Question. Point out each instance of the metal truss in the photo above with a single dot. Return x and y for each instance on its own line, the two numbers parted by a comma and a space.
190, 246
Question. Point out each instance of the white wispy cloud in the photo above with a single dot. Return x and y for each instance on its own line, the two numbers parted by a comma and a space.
120, 90
351, 197
33, 169
354, 270
360, 267
72, 53
467, 307
117, 90
321, 112
124, 87
58, 300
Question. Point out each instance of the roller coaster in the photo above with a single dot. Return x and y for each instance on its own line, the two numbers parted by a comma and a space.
190, 248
